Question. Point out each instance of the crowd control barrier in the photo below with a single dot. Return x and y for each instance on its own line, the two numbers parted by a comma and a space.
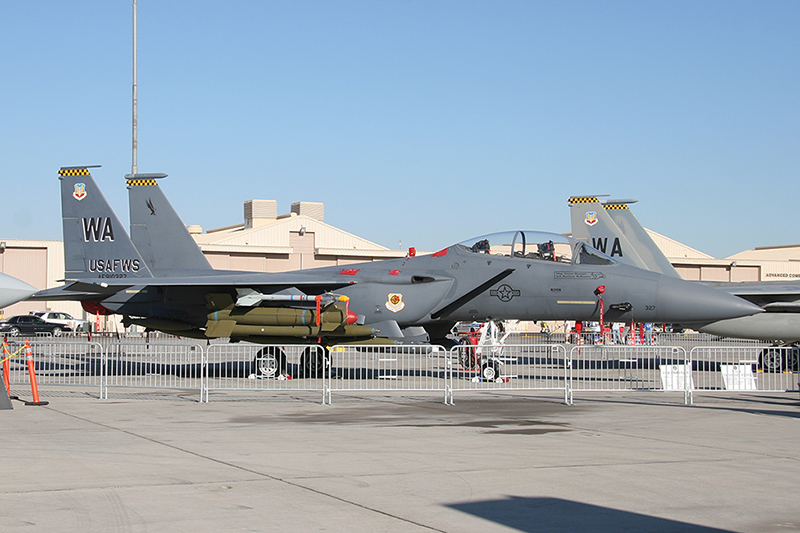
258, 367
510, 367
389, 368
57, 363
630, 368
251, 368
765, 369
153, 366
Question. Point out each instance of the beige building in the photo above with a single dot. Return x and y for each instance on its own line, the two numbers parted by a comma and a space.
268, 242
39, 263
761, 264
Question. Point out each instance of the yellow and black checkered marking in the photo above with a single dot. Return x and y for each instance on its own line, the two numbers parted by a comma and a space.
583, 200
141, 183
616, 206
73, 172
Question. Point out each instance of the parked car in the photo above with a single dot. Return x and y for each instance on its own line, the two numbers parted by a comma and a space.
29, 324
59, 317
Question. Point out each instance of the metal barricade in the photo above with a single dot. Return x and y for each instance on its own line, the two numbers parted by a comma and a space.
153, 366
57, 363
510, 367
755, 368
253, 367
688, 341
630, 368
389, 368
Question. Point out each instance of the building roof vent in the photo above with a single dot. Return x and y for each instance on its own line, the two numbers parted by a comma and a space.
315, 210
259, 212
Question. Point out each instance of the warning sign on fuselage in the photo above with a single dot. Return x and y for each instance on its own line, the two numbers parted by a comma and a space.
601, 243
97, 229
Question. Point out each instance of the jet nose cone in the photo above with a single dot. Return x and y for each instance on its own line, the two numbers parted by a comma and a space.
688, 301
13, 290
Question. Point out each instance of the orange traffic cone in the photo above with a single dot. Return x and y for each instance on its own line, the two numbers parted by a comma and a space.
32, 374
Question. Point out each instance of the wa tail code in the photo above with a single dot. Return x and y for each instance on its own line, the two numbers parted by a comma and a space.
601, 244
97, 229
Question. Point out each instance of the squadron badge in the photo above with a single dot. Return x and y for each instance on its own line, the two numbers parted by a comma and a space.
591, 218
395, 302
80, 191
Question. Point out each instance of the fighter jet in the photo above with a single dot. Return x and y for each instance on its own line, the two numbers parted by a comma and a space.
13, 290
523, 275
611, 226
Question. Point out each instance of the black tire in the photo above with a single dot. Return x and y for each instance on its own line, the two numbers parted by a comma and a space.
313, 363
466, 356
490, 371
270, 362
56, 332
793, 359
13, 332
771, 360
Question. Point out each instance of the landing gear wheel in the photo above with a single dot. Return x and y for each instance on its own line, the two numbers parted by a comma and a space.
313, 363
270, 362
793, 359
466, 357
489, 371
770, 360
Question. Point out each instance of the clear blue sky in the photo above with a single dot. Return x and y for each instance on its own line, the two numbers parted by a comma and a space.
423, 121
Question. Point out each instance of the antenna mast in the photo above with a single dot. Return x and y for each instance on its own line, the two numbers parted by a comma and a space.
134, 144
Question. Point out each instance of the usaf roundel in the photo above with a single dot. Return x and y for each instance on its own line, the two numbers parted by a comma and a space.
591, 218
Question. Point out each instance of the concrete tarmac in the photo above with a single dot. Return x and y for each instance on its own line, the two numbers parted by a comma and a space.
159, 461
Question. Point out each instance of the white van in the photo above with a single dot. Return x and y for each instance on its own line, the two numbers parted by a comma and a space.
59, 317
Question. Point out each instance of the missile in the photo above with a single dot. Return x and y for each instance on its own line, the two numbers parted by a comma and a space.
251, 298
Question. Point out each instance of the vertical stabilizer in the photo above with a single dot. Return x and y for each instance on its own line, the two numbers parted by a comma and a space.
638, 237
609, 226
158, 232
96, 246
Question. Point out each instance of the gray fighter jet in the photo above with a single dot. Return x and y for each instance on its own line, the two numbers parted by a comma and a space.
523, 275
611, 226
13, 290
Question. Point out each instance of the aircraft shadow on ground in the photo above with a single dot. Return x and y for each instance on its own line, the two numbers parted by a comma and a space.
555, 514
757, 407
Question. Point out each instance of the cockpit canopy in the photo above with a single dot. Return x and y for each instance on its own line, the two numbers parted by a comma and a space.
537, 245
